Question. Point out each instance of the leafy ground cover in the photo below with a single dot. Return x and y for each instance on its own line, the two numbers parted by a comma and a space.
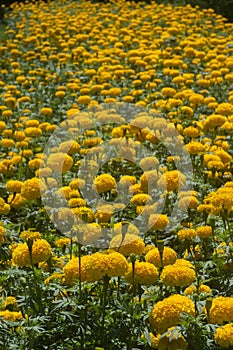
116, 177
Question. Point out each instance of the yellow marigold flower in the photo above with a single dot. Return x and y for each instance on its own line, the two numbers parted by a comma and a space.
7, 113
144, 273
149, 163
84, 99
77, 183
32, 188
11, 315
70, 147
176, 343
172, 180
77, 202
141, 199
84, 214
126, 180
2, 231
104, 183
187, 111
204, 231
71, 270
168, 92
16, 200
55, 276
104, 213
4, 207
10, 301
204, 289
196, 99
187, 234
214, 121
62, 242
60, 161
194, 147
112, 264
224, 336
190, 290
188, 202
95, 266
132, 244
168, 254
191, 131
131, 229
221, 310
33, 132
30, 235
223, 155
87, 233
14, 186
114, 92
148, 180
7, 143
166, 313
225, 108
41, 251
158, 221
60, 94
48, 112
177, 275
215, 165
2, 126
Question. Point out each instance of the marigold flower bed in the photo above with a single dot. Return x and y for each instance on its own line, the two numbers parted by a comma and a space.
116, 195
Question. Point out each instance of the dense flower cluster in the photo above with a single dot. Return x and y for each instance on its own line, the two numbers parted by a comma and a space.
224, 336
166, 313
116, 125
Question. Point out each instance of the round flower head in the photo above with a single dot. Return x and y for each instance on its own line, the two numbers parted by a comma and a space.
14, 186
32, 188
172, 181
141, 199
195, 147
30, 235
2, 231
187, 234
221, 310
169, 256
225, 108
11, 315
158, 221
71, 270
149, 163
41, 251
166, 313
204, 232
131, 229
224, 336
177, 275
104, 183
186, 202
131, 244
176, 343
60, 162
144, 273
126, 181
46, 111
4, 207
95, 266
191, 131
88, 233
70, 147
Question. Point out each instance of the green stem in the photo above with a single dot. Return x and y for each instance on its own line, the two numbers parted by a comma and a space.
106, 280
